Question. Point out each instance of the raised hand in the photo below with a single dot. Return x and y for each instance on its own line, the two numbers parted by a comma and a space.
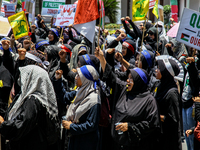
111, 50
122, 19
5, 44
128, 18
62, 54
99, 53
118, 56
58, 74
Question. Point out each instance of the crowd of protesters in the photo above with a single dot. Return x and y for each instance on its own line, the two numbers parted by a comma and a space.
137, 89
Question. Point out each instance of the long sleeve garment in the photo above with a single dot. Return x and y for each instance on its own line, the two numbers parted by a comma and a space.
84, 135
63, 98
143, 121
26, 131
169, 107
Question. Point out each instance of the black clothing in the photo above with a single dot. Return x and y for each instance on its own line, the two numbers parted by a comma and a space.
27, 131
127, 106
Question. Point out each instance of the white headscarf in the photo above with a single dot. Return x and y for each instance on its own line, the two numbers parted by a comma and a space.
163, 32
86, 96
35, 82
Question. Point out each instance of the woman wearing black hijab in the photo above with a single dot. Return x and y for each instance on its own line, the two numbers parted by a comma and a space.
128, 51
134, 108
168, 101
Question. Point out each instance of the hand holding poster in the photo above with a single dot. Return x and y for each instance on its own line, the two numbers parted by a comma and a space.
189, 28
65, 15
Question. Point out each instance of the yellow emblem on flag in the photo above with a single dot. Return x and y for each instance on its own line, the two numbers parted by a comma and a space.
1, 83
19, 25
140, 9
155, 9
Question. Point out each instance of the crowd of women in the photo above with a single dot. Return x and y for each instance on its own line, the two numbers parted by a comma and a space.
137, 90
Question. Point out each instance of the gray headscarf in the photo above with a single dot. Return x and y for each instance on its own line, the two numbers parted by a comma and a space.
34, 81
86, 96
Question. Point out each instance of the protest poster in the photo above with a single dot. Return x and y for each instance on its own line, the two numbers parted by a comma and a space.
9, 9
5, 26
189, 28
65, 15
151, 3
50, 7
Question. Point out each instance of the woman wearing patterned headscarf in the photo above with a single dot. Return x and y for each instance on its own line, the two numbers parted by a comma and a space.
32, 114
168, 100
84, 113
134, 108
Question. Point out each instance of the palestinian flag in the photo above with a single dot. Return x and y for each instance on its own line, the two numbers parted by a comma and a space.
185, 37
174, 9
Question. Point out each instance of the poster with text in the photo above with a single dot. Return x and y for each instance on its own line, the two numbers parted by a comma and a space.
189, 28
65, 15
50, 7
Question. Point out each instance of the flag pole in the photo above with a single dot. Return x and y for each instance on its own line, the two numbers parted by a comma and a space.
99, 28
61, 32
157, 35
142, 39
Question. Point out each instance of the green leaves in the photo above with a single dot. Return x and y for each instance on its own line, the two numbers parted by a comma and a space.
111, 7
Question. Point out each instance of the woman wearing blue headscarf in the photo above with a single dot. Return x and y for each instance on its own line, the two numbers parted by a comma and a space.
82, 118
134, 109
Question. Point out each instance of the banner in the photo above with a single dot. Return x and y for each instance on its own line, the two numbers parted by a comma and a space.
151, 3
19, 25
5, 26
65, 15
50, 7
9, 9
140, 9
189, 29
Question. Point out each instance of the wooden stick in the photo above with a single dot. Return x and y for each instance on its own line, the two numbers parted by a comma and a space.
157, 37
99, 29
142, 40
61, 33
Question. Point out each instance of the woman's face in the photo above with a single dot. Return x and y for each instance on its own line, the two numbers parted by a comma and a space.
78, 81
124, 50
130, 82
138, 62
51, 36
151, 35
158, 74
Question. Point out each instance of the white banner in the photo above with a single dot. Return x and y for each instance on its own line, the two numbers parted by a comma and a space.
65, 15
189, 28
5, 26
50, 7
9, 9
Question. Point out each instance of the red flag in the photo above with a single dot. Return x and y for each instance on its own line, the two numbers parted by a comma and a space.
85, 18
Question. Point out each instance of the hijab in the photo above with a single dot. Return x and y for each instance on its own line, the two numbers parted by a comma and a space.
55, 35
53, 58
131, 49
88, 94
34, 81
89, 59
168, 69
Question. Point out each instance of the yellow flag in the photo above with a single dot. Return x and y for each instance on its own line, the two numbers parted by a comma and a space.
19, 25
140, 9
1, 83
155, 9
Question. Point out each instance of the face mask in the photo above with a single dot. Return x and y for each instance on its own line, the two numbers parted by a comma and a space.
159, 29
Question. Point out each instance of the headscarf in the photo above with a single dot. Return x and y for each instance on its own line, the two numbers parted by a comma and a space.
131, 49
75, 50
40, 44
147, 58
68, 49
140, 79
88, 59
87, 96
35, 82
53, 58
56, 36
168, 69
162, 34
